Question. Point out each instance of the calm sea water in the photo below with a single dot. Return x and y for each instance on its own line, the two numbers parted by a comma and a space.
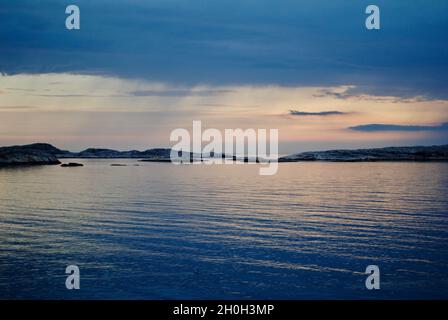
158, 231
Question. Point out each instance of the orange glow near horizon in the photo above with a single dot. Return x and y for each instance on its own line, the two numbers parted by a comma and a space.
76, 111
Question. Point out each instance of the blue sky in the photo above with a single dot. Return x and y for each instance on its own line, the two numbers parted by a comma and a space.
217, 45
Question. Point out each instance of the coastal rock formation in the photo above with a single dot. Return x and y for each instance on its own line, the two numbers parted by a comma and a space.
72, 164
33, 154
42, 154
93, 153
432, 153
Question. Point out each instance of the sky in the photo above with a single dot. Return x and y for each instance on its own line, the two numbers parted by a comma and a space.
136, 70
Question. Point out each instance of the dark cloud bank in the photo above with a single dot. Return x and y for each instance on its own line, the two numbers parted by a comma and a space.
308, 43
395, 127
321, 113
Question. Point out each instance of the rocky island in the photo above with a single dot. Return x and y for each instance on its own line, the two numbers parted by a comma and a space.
420, 153
71, 165
33, 154
46, 154
93, 153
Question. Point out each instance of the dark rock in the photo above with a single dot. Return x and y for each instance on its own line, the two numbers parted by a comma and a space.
72, 164
431, 153
33, 154
95, 153
104, 153
156, 160
156, 153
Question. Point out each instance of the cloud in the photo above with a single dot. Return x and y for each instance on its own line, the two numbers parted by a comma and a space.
20, 89
396, 127
15, 108
320, 113
376, 94
232, 42
178, 93
80, 110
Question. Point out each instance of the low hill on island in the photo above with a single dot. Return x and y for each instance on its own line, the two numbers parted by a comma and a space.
420, 153
38, 153
43, 153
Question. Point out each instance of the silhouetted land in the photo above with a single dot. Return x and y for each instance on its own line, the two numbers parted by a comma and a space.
420, 153
46, 154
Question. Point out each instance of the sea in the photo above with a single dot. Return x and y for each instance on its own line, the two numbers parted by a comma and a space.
147, 230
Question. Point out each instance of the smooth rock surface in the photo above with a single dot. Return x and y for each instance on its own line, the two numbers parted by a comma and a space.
34, 154
431, 153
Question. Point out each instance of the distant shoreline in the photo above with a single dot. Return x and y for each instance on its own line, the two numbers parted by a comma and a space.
46, 154
417, 153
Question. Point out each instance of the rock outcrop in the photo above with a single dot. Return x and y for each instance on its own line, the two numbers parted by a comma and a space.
431, 153
93, 153
33, 154
42, 154
71, 164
